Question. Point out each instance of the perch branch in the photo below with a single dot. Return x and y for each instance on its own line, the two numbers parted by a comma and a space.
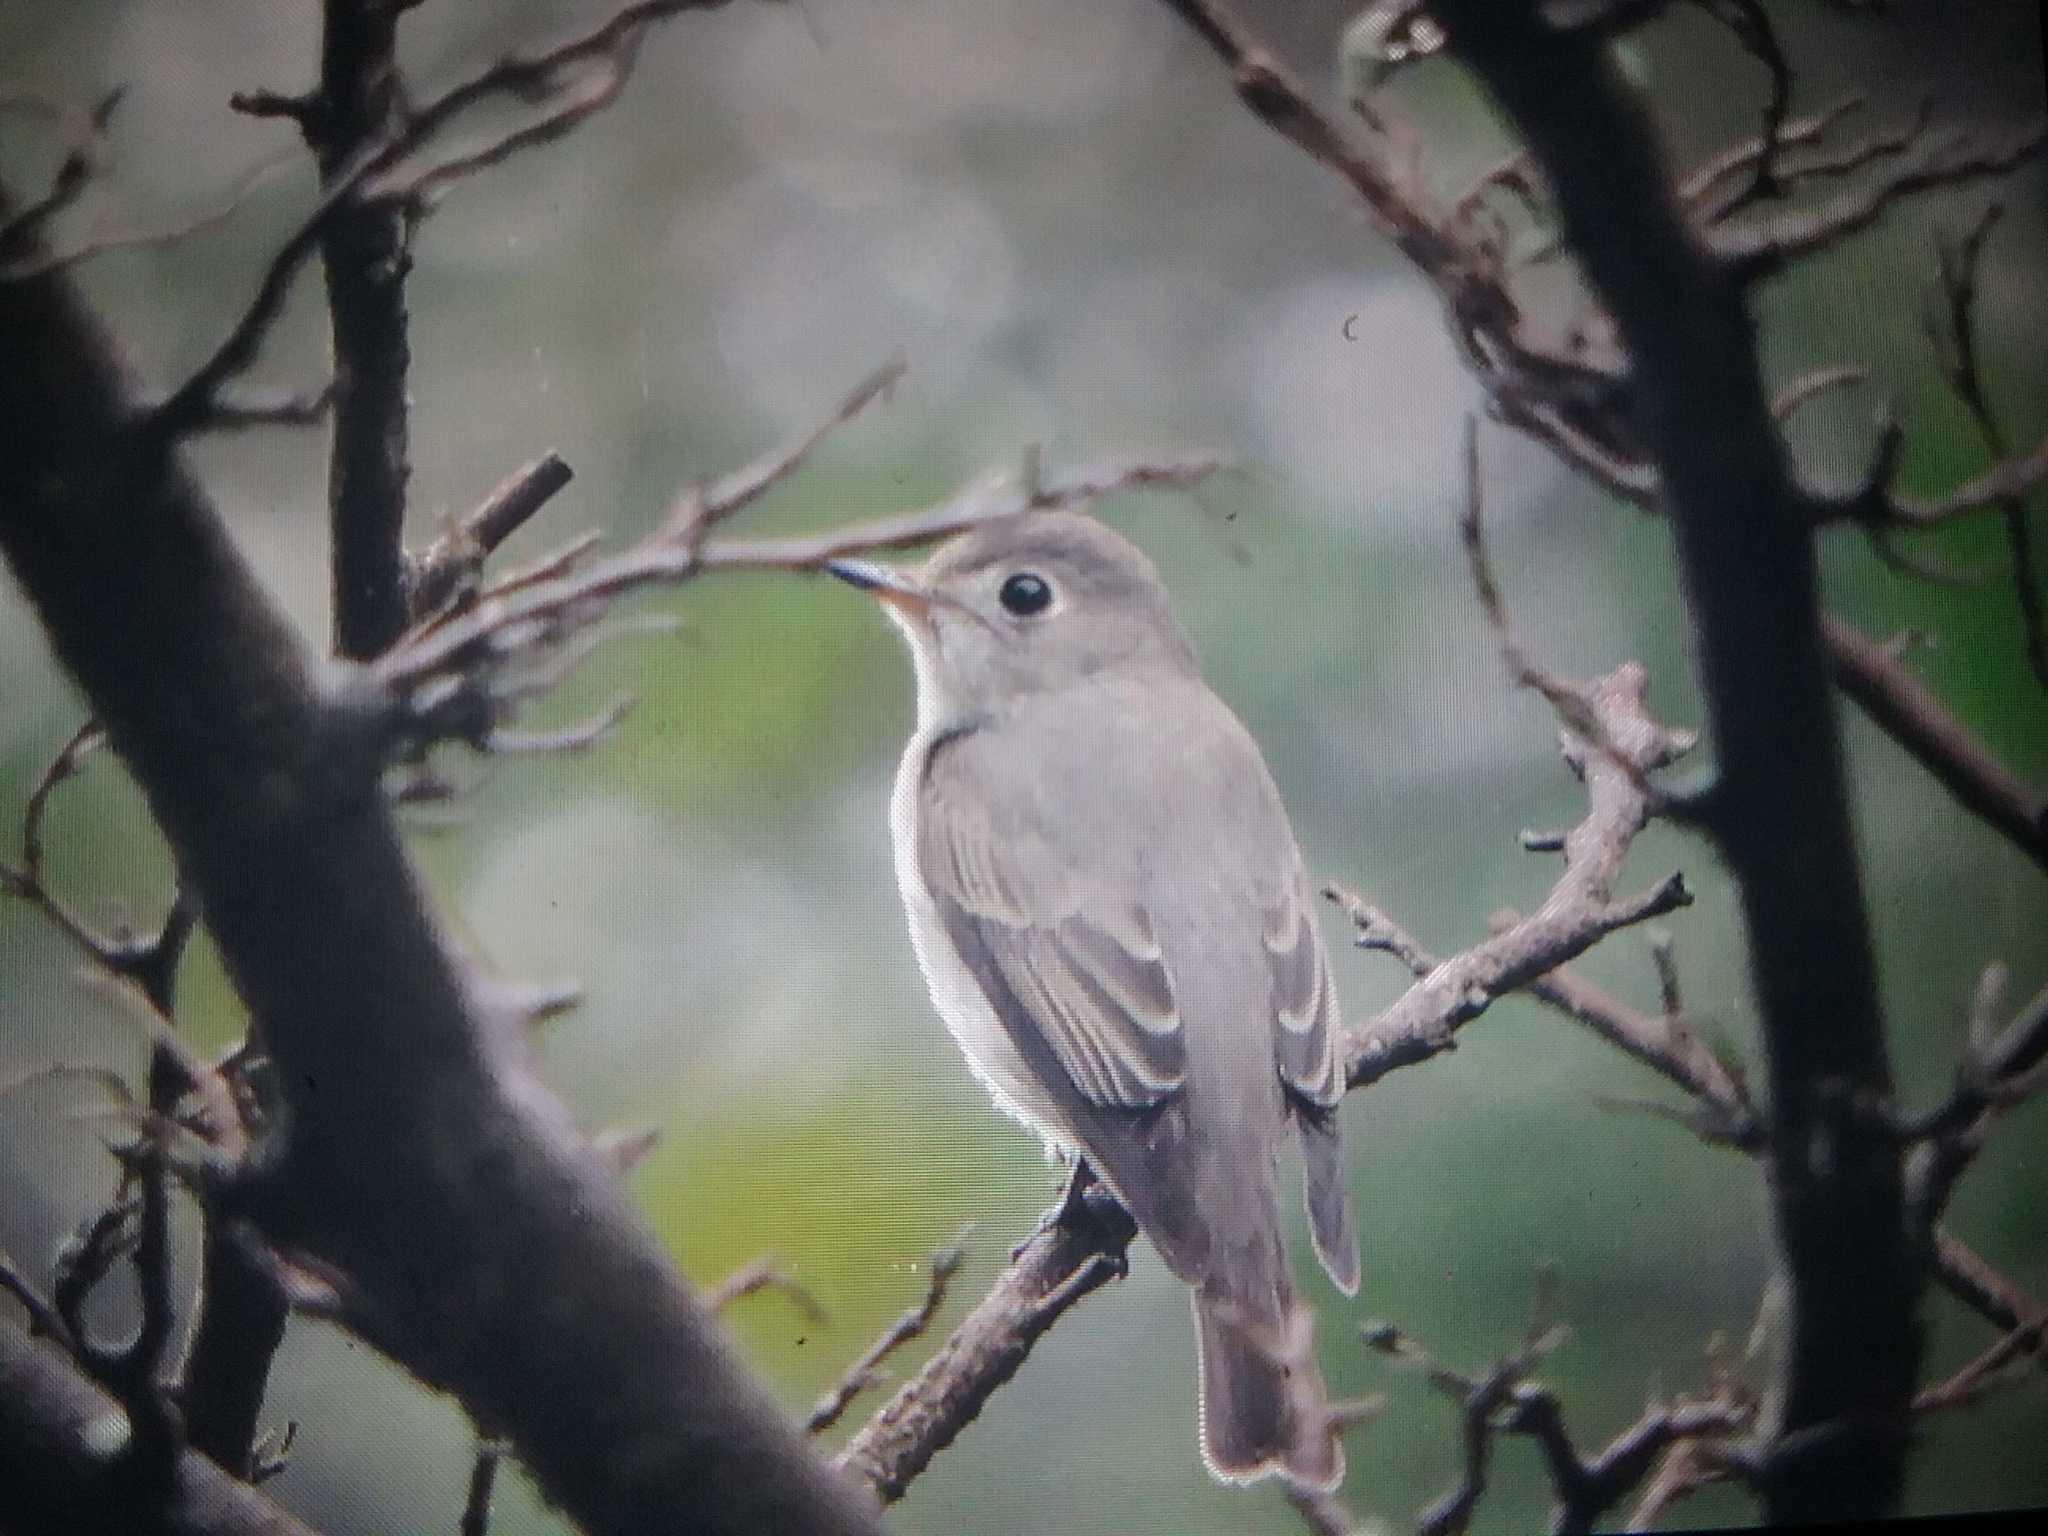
1076, 1253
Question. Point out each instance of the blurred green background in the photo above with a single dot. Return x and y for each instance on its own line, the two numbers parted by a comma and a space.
1058, 211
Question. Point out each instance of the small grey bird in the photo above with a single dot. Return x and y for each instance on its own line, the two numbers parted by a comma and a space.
1116, 926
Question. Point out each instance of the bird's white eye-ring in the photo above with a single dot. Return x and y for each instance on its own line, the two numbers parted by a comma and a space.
1025, 593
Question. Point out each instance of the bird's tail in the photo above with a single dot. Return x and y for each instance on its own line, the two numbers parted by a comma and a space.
1264, 1409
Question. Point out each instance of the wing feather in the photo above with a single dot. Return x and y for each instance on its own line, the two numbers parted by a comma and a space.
1306, 1031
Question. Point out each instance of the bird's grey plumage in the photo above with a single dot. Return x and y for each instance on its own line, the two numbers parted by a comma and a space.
1117, 927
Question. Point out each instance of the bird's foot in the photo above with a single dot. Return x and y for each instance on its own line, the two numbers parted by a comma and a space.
1085, 1201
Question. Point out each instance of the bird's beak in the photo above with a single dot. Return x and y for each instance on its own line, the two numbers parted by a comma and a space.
888, 585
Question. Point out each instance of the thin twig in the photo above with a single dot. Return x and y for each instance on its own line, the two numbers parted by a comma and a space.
1070, 1256
452, 565
1880, 684
866, 1371
764, 1274
483, 1475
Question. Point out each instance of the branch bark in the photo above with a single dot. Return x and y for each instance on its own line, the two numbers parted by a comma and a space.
1907, 710
62, 1464
364, 252
418, 1154
1780, 808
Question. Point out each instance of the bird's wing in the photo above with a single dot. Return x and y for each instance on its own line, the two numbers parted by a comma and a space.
1087, 973
1307, 1036
1081, 990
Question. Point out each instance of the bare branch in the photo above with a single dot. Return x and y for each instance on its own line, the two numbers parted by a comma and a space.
1765, 246
23, 230
1958, 269
1580, 909
1075, 1253
1779, 808
623, 1399
460, 675
1751, 26
150, 961
1982, 1374
43, 1318
1909, 712
764, 1275
1997, 1068
100, 242
240, 413
1707, 189
451, 568
344, 185
693, 513
1501, 1400
366, 255
1965, 1275
483, 1475
61, 1440
867, 1370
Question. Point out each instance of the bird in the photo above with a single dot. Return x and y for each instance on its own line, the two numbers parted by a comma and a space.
1114, 921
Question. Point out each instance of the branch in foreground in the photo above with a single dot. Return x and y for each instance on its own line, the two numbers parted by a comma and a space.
429, 1167
62, 1463
366, 254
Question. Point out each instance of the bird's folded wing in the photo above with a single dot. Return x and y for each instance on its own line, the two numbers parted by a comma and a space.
1088, 974
1307, 1037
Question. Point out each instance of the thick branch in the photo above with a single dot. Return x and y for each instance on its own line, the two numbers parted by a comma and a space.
364, 250
420, 1157
1780, 812
61, 1461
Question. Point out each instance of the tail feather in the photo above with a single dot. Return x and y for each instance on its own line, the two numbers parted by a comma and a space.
1264, 1410
1326, 1189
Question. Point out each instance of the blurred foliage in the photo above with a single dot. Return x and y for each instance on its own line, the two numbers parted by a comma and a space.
1082, 242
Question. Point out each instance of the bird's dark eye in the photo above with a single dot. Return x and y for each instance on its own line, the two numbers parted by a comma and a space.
1025, 594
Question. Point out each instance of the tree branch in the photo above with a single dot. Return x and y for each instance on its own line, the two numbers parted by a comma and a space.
1580, 910
1780, 810
365, 251
62, 1461
1075, 1253
1908, 711
418, 1155
867, 1370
